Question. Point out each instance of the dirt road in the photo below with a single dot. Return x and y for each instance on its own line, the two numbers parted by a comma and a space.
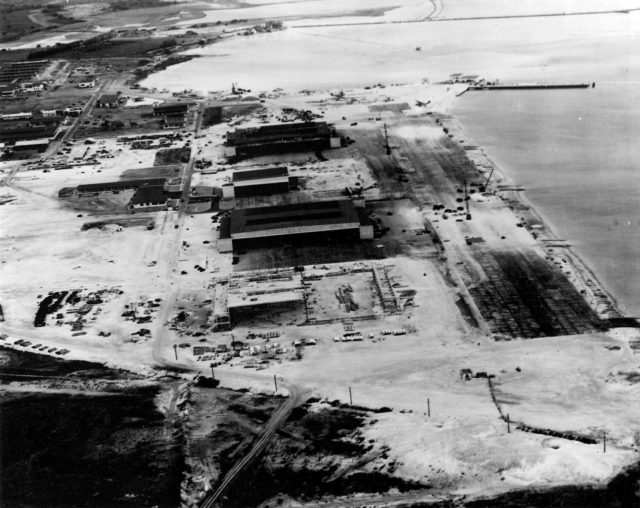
272, 425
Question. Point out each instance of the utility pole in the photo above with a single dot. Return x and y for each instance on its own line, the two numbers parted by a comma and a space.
212, 374
466, 199
350, 397
508, 425
484, 187
428, 408
175, 350
275, 382
604, 441
386, 140
306, 306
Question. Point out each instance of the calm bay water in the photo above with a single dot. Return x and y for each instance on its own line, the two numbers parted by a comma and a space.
577, 153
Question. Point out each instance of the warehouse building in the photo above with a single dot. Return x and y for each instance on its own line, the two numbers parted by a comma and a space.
150, 194
92, 188
12, 133
177, 108
22, 71
259, 182
31, 145
281, 138
309, 222
16, 117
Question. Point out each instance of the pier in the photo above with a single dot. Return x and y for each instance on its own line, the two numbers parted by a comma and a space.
531, 86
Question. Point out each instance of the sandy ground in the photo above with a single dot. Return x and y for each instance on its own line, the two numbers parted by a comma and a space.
45, 250
584, 384
581, 384
566, 384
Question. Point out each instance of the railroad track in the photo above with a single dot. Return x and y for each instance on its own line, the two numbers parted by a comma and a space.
272, 425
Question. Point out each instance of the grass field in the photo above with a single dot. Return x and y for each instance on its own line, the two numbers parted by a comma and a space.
17, 22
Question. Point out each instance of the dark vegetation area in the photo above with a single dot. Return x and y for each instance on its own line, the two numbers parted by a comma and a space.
304, 459
63, 450
168, 62
125, 5
21, 363
15, 21
105, 46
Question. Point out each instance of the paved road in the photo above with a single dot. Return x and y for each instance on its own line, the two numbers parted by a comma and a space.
85, 111
53, 147
171, 235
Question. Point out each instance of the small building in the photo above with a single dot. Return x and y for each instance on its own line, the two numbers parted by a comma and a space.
174, 185
174, 122
31, 87
72, 112
9, 91
149, 198
258, 182
107, 100
38, 117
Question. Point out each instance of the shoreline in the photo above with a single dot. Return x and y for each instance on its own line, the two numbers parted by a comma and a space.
556, 250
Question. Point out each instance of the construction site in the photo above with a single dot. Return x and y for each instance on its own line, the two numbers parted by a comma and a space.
335, 296
327, 294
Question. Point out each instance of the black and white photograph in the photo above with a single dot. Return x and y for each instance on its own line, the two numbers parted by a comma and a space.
319, 253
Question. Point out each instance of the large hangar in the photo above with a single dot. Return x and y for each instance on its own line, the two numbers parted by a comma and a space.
258, 182
281, 138
308, 221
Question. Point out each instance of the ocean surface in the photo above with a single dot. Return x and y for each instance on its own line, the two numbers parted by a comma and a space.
577, 153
